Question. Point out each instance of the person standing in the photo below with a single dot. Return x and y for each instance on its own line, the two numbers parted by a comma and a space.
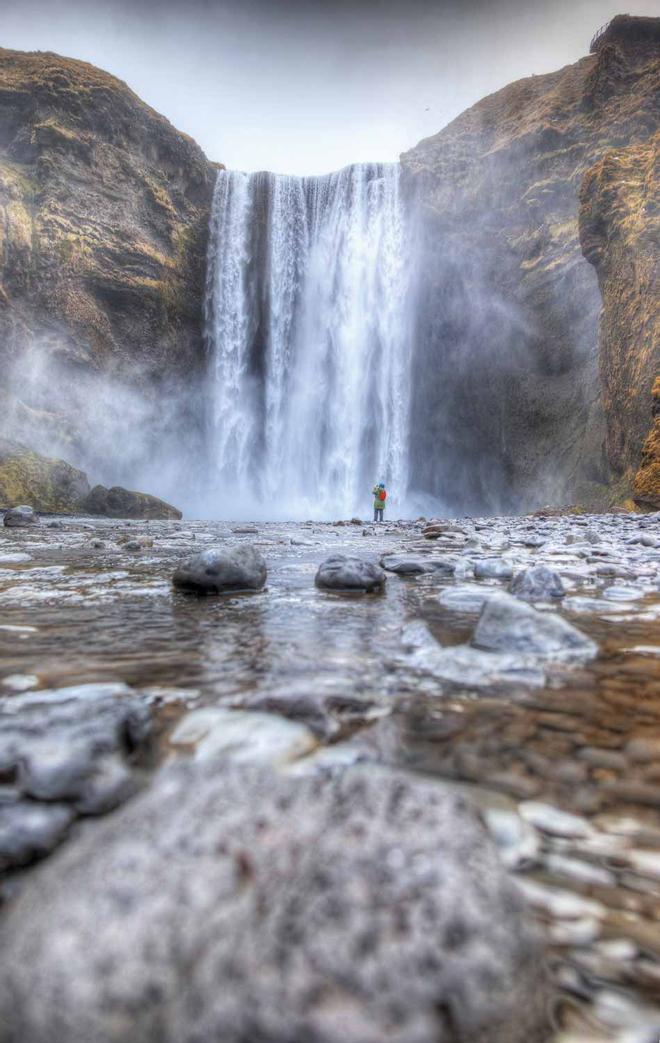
380, 495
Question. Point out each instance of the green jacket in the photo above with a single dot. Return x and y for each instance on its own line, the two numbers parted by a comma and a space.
379, 505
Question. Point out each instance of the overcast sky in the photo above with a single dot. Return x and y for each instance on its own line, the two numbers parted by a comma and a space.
307, 86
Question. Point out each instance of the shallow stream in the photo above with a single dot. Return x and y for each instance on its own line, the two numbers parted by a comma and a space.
562, 757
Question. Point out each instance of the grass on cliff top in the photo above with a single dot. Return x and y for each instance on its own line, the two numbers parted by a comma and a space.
47, 72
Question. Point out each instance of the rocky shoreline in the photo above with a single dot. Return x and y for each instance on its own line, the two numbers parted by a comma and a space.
512, 664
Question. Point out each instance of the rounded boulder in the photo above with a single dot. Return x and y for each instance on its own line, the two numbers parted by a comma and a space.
342, 572
222, 571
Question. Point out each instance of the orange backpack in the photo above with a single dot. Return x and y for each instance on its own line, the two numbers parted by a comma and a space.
382, 495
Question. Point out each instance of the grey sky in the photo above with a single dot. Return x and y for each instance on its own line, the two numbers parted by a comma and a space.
306, 86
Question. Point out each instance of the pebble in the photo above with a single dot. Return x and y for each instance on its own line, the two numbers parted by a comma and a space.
493, 568
20, 682
553, 821
243, 736
537, 584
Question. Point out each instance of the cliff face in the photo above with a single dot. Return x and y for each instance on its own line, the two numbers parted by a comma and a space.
509, 307
620, 231
646, 488
103, 219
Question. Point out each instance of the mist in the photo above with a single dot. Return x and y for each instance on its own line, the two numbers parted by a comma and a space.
305, 88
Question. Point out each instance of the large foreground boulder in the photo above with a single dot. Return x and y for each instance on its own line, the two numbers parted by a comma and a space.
241, 905
222, 571
48, 484
124, 503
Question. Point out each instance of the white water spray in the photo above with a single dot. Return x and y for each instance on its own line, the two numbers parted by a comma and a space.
306, 319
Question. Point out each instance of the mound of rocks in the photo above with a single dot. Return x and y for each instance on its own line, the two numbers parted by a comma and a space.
222, 571
343, 572
240, 904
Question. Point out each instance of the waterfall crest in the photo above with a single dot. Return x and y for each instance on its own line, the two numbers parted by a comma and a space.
309, 339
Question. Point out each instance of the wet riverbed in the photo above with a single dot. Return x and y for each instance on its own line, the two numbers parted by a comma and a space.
561, 753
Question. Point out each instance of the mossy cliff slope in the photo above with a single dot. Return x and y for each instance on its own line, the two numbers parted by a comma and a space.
647, 480
620, 231
42, 482
509, 307
103, 218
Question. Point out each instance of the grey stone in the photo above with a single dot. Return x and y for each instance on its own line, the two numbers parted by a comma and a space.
29, 831
20, 517
508, 625
537, 584
243, 737
70, 744
462, 664
409, 565
222, 571
341, 572
467, 598
493, 568
54, 771
242, 905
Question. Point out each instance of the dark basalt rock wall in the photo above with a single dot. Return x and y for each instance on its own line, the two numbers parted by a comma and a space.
510, 410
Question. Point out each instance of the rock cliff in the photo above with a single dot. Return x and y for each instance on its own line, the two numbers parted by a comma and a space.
509, 306
103, 221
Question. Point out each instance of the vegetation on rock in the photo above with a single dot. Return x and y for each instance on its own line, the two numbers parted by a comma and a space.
46, 484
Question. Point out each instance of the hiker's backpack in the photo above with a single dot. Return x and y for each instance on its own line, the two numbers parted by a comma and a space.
382, 495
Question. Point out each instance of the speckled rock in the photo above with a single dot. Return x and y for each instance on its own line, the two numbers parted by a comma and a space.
243, 905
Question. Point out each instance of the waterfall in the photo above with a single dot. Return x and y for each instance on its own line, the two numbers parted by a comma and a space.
309, 340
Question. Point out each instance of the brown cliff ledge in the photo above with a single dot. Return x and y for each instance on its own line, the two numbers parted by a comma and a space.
103, 223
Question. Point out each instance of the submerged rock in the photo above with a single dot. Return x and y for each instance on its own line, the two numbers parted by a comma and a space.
243, 905
123, 503
493, 568
222, 571
20, 517
463, 664
508, 625
341, 572
537, 584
